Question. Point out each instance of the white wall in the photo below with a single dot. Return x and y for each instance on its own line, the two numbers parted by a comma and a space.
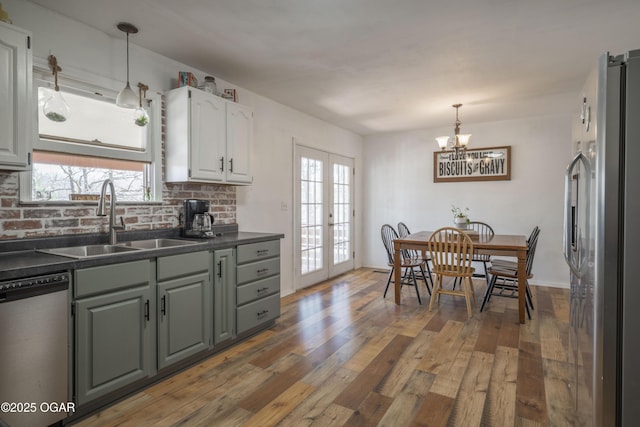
398, 186
268, 203
91, 54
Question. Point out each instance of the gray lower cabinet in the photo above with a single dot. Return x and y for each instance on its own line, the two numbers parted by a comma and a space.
113, 328
258, 284
135, 318
224, 283
184, 306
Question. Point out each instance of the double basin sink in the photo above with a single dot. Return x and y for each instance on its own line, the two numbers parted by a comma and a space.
102, 250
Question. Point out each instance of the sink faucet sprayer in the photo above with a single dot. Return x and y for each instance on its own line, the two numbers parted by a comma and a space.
112, 208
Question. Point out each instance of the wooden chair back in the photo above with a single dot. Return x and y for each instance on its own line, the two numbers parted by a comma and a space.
403, 230
532, 242
483, 229
451, 252
388, 234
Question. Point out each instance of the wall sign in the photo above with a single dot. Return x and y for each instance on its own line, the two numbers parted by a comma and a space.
481, 164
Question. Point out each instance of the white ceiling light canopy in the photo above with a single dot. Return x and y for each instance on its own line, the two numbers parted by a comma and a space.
127, 98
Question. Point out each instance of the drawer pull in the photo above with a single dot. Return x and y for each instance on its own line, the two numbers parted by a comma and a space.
262, 252
262, 271
262, 313
262, 290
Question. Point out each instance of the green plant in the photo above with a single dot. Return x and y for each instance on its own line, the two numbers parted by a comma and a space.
141, 121
459, 213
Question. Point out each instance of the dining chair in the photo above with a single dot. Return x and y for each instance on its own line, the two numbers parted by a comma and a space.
407, 264
403, 231
451, 252
484, 231
504, 275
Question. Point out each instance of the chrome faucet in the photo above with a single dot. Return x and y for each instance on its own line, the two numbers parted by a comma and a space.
113, 238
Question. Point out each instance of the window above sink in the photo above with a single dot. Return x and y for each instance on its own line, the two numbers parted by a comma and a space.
98, 140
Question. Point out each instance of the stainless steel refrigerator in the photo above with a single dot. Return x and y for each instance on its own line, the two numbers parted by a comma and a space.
602, 246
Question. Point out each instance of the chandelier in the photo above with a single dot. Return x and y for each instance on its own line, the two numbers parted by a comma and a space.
459, 141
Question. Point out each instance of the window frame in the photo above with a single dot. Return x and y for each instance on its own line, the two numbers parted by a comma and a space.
152, 154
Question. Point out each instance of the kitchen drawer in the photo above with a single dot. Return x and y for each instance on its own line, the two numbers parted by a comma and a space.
259, 289
258, 312
258, 270
183, 264
109, 278
256, 251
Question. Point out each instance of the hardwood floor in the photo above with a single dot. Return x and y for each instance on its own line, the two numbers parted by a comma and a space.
341, 355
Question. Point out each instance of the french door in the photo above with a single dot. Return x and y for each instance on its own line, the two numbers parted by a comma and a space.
324, 215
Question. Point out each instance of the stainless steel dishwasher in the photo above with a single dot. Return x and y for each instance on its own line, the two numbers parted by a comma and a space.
34, 329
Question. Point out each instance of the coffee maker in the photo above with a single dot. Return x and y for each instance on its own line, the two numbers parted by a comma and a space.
197, 219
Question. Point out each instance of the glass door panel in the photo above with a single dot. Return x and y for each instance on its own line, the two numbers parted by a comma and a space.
341, 215
324, 215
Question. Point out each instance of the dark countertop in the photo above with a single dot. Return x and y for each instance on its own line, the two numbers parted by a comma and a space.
21, 259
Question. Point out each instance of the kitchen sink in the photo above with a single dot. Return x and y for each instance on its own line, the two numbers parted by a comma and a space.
157, 243
102, 250
88, 251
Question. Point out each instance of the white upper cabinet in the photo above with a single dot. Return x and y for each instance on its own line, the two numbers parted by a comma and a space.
208, 138
16, 117
240, 134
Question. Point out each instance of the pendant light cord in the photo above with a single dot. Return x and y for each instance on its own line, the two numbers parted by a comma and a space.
127, 58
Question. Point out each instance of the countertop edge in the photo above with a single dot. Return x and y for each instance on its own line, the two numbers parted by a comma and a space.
28, 263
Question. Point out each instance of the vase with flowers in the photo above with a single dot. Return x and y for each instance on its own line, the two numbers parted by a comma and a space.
460, 217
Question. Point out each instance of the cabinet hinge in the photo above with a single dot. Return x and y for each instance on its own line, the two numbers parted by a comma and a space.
28, 42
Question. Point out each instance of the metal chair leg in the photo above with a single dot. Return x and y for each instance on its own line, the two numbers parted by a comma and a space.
486, 273
415, 284
388, 282
426, 282
487, 294
529, 296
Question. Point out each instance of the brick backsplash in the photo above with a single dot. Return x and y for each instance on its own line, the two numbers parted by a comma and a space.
32, 220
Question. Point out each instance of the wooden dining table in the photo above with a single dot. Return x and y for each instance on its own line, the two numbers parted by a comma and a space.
499, 244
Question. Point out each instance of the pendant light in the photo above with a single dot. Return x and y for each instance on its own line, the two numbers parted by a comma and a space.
55, 108
140, 116
459, 141
127, 97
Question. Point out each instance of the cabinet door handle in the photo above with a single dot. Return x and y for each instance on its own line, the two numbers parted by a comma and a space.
231, 165
220, 269
222, 163
163, 306
146, 310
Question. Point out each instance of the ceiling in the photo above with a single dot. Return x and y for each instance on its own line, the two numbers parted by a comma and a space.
375, 66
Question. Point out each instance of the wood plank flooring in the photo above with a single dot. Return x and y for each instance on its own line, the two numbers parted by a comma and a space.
341, 355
